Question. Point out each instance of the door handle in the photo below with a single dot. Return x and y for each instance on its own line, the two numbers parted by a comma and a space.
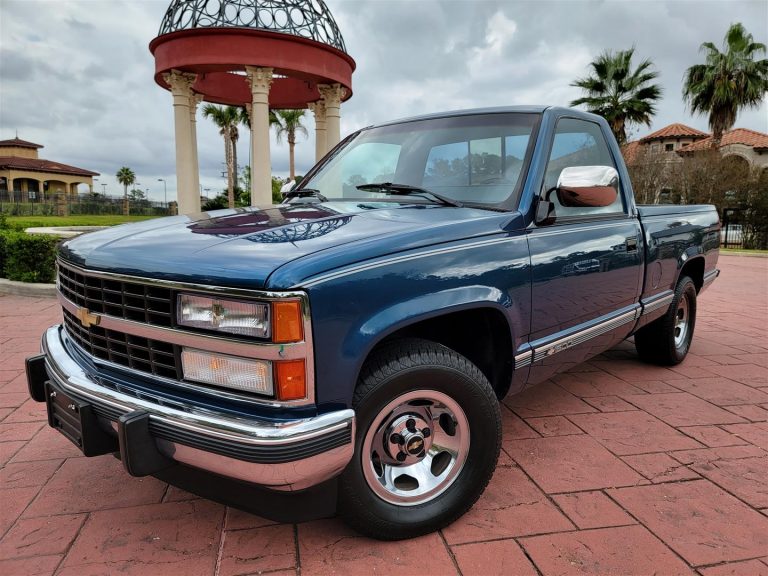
632, 244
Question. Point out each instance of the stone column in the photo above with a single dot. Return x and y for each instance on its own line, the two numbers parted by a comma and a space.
321, 147
259, 81
181, 88
194, 100
332, 95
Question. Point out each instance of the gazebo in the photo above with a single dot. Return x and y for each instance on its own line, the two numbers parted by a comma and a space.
259, 54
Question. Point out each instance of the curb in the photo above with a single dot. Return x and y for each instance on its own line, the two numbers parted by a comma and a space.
13, 288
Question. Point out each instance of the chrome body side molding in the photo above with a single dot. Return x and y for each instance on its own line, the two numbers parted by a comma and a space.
709, 277
657, 301
567, 339
523, 359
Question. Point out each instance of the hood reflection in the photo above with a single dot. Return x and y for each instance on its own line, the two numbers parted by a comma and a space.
276, 224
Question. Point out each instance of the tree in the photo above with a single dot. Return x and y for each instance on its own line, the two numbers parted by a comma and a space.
728, 81
618, 93
649, 174
288, 124
126, 177
136, 195
227, 118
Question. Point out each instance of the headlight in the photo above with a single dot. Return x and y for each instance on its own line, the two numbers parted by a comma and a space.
246, 374
224, 315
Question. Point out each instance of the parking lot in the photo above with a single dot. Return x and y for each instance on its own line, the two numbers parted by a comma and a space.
616, 467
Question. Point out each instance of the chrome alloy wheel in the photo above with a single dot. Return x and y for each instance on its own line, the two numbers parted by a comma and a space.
415, 447
682, 318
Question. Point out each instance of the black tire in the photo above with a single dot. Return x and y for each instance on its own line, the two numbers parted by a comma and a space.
413, 367
661, 342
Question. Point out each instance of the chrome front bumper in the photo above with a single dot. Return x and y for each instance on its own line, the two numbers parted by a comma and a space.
290, 455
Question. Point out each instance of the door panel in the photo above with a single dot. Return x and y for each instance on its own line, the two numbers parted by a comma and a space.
584, 275
586, 266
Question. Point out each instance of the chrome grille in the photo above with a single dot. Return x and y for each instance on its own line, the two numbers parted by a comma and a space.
135, 352
130, 300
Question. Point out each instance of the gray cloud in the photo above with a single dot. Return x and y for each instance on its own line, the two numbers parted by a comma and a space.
81, 80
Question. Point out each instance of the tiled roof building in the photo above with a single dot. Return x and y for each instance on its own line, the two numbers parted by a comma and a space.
678, 140
26, 177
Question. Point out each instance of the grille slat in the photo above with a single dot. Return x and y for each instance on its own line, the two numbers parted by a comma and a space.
127, 300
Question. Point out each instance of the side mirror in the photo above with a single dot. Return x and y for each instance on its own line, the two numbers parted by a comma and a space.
588, 186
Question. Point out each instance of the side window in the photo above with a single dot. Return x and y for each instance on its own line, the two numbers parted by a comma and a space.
578, 143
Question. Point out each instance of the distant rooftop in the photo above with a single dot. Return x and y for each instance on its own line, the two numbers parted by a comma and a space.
18, 143
745, 136
676, 130
40, 165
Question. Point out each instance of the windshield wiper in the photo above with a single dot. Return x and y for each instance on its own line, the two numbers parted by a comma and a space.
405, 190
306, 193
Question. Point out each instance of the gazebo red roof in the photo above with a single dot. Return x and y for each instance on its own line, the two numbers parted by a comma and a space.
298, 39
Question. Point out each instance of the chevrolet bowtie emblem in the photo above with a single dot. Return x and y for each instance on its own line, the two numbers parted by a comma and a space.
87, 318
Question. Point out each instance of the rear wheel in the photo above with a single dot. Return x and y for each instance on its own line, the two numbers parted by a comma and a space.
428, 438
666, 341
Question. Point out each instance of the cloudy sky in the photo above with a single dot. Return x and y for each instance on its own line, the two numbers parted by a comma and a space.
77, 76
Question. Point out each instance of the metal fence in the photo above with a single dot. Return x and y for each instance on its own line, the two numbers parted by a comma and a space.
17, 203
731, 233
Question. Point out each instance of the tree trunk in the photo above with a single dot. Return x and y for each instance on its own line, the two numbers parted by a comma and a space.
228, 159
126, 206
234, 164
291, 162
717, 136
617, 127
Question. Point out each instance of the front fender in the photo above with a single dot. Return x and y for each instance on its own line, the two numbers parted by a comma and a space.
371, 331
353, 312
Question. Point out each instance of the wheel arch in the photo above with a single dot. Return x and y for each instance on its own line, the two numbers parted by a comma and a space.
693, 268
476, 322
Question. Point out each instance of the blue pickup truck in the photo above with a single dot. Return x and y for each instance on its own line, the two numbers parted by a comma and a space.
346, 350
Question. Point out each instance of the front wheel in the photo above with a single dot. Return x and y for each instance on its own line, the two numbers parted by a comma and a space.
428, 438
666, 341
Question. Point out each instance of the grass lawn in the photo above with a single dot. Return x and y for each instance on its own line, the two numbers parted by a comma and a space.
81, 220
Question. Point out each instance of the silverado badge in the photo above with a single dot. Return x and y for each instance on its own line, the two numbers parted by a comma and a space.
87, 318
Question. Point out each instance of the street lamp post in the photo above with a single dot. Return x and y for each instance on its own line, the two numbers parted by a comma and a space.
165, 192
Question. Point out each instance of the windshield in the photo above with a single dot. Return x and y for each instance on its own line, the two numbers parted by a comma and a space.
476, 159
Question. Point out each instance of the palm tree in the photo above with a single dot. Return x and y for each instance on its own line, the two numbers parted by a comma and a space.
288, 123
728, 81
126, 177
618, 93
227, 119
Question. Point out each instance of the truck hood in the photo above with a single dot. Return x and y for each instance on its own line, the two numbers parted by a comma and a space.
243, 247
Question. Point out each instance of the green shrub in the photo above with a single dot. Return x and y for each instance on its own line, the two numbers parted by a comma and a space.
4, 234
29, 257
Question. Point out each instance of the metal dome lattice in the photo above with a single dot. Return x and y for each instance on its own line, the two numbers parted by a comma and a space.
304, 18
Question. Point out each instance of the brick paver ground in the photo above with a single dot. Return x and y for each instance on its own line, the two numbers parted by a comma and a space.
617, 467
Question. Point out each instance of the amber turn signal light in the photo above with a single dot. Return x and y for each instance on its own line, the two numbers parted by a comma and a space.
286, 321
291, 380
